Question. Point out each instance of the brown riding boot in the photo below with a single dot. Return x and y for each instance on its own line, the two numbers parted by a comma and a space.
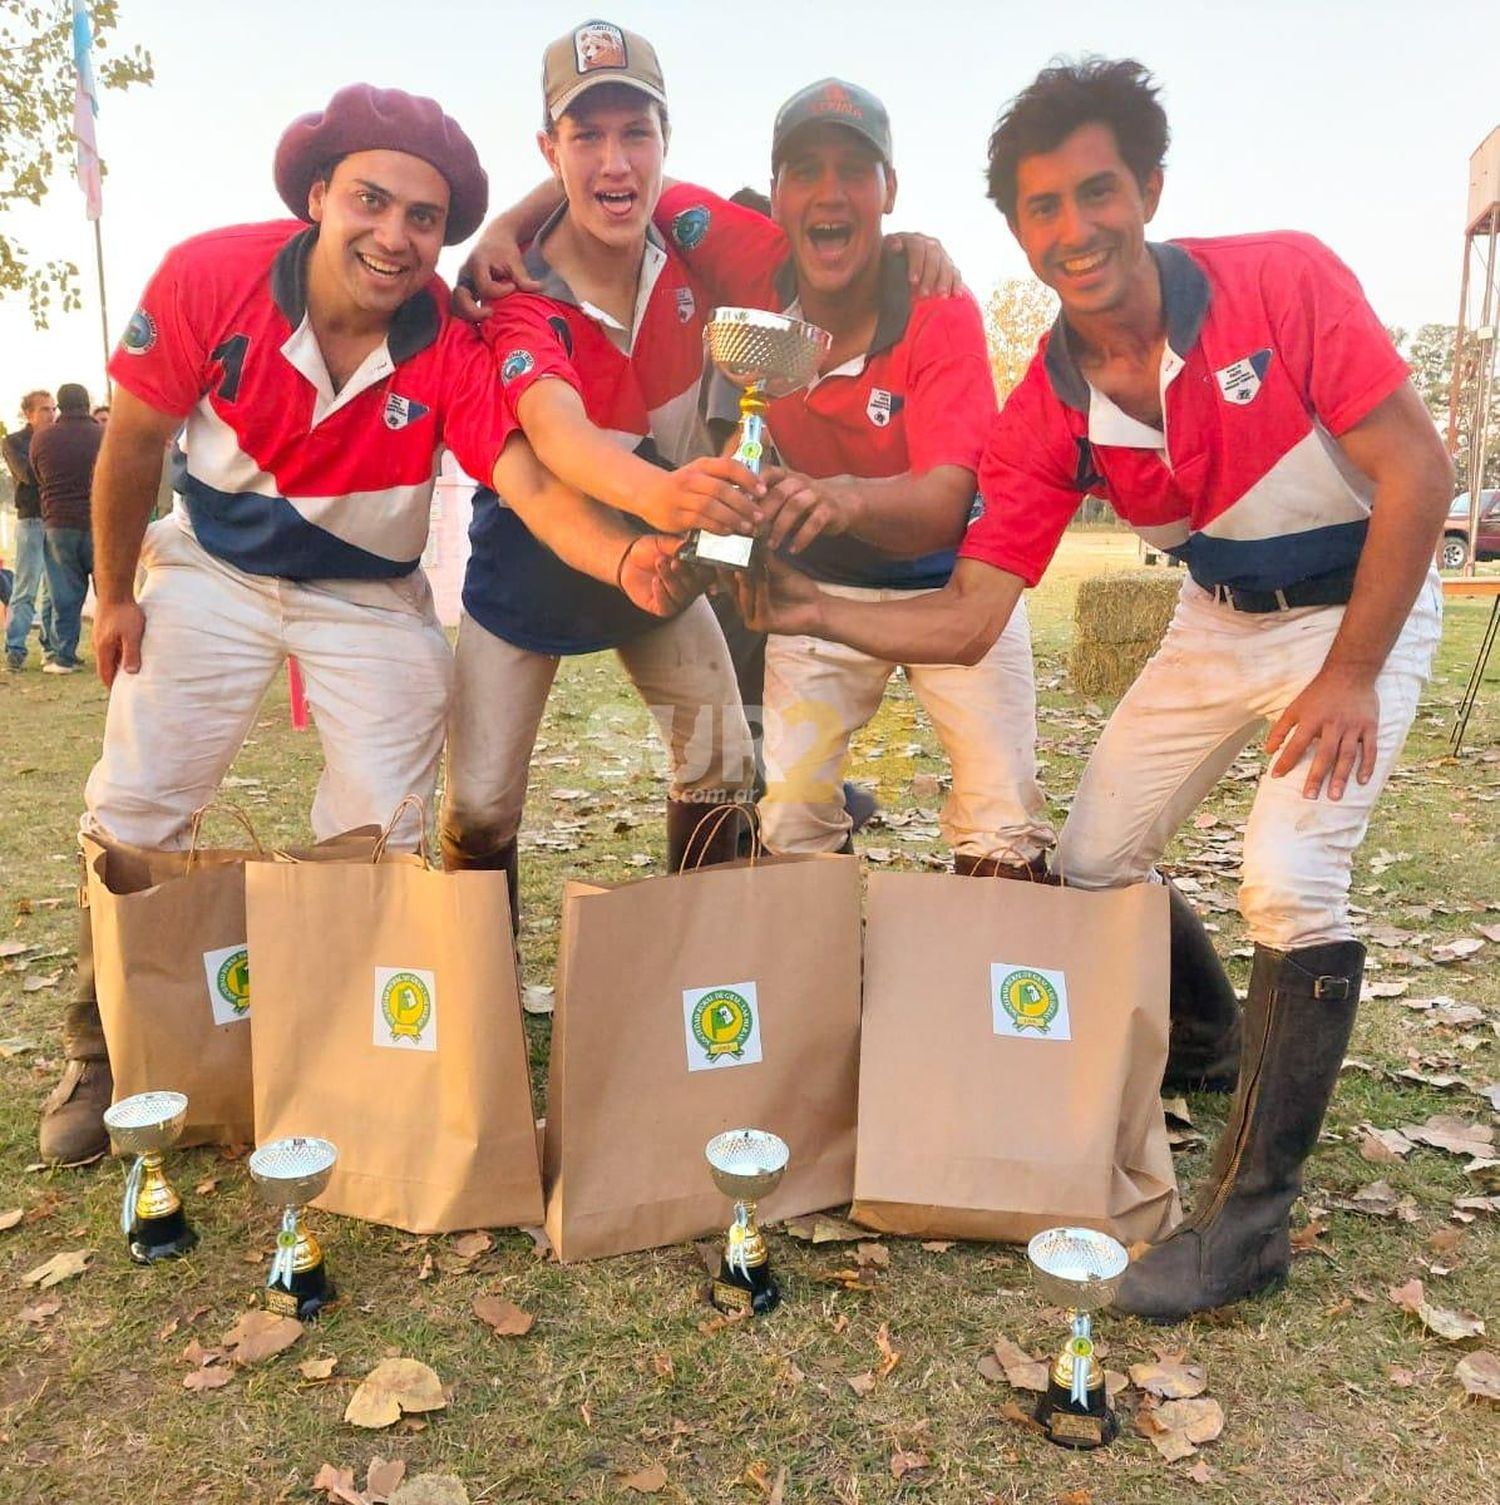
457, 857
1204, 1050
966, 866
1237, 1240
72, 1127
702, 835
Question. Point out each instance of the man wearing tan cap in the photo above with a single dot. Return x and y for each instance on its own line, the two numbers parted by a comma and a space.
318, 373
603, 365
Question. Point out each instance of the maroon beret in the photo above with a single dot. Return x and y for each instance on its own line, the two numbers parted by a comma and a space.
362, 118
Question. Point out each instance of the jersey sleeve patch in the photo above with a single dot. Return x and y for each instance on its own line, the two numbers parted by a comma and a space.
140, 333
690, 226
516, 365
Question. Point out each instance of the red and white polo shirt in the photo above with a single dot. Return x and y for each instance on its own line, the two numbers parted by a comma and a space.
1271, 353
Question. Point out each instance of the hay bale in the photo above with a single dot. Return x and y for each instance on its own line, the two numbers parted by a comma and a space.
1118, 621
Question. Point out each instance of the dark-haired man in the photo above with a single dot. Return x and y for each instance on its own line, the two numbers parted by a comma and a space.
319, 373
62, 459
1239, 403
29, 595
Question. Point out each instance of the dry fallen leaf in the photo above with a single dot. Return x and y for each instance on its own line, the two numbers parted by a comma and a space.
876, 1255
392, 1387
889, 1357
1479, 1374
938, 1246
472, 1245
1456, 950
1075, 1497
507, 1319
1446, 1323
1010, 1411
1400, 1376
59, 1268
1305, 1239
431, 1489
648, 1481
1382, 1146
1200, 1472
862, 1384
382, 1478
1176, 1426
36, 1315
1451, 1132
338, 1485
825, 1230
1021, 1370
317, 1369
1172, 1379
11, 1217
212, 1378
903, 1463
258, 1335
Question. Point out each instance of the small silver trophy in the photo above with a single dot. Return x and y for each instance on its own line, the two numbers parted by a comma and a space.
151, 1216
746, 1164
1080, 1270
767, 356
290, 1173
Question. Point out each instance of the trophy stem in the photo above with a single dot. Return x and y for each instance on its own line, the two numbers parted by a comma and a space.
752, 444
298, 1285
1075, 1409
745, 1283
151, 1217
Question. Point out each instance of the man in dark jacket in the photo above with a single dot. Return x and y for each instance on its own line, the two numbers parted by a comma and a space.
62, 458
29, 595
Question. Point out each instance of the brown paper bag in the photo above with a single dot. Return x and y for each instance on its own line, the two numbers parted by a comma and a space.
170, 969
1010, 1066
648, 1063
387, 1019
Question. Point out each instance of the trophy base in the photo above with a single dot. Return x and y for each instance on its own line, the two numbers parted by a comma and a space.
729, 551
167, 1237
1091, 1425
304, 1296
738, 1294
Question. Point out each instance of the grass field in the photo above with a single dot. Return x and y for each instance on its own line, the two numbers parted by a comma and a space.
1330, 1392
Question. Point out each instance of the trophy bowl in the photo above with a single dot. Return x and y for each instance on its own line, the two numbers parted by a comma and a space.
772, 352
290, 1173
151, 1215
147, 1122
1079, 1269
746, 1164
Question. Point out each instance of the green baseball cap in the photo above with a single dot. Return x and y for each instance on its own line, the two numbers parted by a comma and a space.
834, 102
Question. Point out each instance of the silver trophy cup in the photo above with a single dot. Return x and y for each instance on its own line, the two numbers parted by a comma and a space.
746, 1164
766, 356
151, 1216
291, 1173
1080, 1270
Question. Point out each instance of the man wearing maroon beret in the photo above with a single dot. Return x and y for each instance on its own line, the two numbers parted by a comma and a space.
318, 374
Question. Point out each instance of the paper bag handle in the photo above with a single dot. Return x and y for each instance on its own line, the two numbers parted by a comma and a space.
710, 825
410, 801
234, 813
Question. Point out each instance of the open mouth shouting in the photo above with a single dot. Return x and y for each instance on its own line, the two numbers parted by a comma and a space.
830, 238
616, 203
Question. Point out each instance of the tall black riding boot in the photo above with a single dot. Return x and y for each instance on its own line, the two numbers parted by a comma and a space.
1298, 1018
702, 835
458, 856
72, 1127
1204, 1050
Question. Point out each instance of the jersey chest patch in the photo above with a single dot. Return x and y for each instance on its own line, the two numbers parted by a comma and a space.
1240, 380
399, 411
883, 406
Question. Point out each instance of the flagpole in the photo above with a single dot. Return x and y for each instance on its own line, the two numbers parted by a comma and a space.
109, 391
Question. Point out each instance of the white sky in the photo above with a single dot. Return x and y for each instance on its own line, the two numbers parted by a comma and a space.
1354, 121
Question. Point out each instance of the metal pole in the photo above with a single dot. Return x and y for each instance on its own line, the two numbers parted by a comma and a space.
1484, 386
109, 391
1455, 380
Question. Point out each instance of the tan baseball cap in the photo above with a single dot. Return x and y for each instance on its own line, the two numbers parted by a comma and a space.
598, 52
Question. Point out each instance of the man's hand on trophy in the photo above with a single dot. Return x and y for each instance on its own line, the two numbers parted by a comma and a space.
654, 577
773, 597
929, 268
495, 268
799, 509
712, 492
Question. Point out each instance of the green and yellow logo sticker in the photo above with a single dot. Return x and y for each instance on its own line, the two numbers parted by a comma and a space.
722, 1025
405, 1008
227, 972
1029, 1002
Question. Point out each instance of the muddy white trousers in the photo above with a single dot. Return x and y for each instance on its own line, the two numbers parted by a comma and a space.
819, 694
1219, 679
377, 683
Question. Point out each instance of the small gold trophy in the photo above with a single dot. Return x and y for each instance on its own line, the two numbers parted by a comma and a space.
767, 356
290, 1173
151, 1217
746, 1164
1080, 1270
